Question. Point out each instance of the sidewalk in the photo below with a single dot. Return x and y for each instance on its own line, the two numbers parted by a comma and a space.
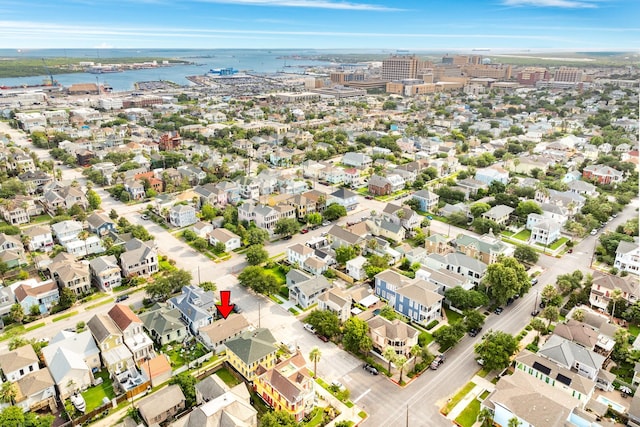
482, 384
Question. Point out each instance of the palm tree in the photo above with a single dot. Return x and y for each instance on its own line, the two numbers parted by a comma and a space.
485, 416
514, 422
401, 362
314, 356
416, 350
578, 315
8, 392
389, 353
84, 235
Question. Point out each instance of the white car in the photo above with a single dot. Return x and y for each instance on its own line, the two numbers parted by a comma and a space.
594, 231
309, 328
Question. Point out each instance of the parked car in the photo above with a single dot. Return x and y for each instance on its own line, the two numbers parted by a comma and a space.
535, 312
368, 197
480, 361
236, 309
498, 310
370, 368
304, 231
534, 281
121, 298
429, 217
594, 232
309, 328
145, 216
570, 251
323, 338
473, 332
439, 360
337, 384
325, 223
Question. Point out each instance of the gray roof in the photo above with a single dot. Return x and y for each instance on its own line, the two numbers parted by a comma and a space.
102, 326
252, 346
157, 403
498, 211
566, 353
18, 358
425, 194
577, 382
344, 235
163, 320
296, 276
211, 387
626, 247
421, 292
466, 261
484, 244
194, 302
313, 285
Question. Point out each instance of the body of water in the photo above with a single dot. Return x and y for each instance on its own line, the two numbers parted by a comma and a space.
259, 61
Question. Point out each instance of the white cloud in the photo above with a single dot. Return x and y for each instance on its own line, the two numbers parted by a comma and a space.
567, 4
313, 4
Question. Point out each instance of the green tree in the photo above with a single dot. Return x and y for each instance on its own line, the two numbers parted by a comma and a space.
390, 354
12, 416
483, 226
113, 214
459, 219
538, 325
187, 384
159, 289
326, 322
313, 218
67, 298
278, 419
401, 363
551, 313
258, 280
527, 207
473, 320
485, 417
465, 299
256, 255
388, 313
256, 236
200, 244
356, 336
8, 392
447, 336
94, 200
479, 208
550, 296
178, 279
287, 226
526, 254
334, 211
219, 248
189, 235
496, 349
345, 253
208, 286
505, 279
208, 212
376, 264
314, 356
16, 313
416, 351
514, 422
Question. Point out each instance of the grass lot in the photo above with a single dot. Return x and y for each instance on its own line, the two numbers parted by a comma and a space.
12, 331
179, 358
458, 397
316, 419
482, 373
634, 329
64, 316
507, 233
107, 301
227, 377
469, 415
452, 316
279, 274
555, 245
94, 395
34, 327
523, 235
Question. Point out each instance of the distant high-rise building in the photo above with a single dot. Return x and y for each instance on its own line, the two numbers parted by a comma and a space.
530, 75
400, 68
341, 77
568, 74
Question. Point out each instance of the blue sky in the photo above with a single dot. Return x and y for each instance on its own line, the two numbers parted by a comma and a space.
330, 24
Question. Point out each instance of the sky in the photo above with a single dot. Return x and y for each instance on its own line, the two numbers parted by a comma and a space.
609, 25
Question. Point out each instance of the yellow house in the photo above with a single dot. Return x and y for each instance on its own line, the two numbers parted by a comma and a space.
116, 357
250, 350
287, 387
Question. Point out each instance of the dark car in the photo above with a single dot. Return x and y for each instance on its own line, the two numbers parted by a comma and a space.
439, 360
236, 309
323, 338
286, 238
570, 251
368, 197
122, 298
534, 313
370, 368
473, 332
498, 310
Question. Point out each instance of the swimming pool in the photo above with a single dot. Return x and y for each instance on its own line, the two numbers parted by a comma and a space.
615, 405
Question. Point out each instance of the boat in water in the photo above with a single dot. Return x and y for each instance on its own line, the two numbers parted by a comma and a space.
78, 402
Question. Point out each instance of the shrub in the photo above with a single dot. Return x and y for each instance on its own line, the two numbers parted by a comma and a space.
432, 324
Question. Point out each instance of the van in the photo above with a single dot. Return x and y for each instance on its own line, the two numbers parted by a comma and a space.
309, 328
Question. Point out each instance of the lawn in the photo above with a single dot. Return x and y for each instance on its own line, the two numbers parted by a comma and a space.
634, 329
180, 356
555, 245
468, 416
279, 274
523, 235
452, 316
507, 233
458, 397
317, 418
94, 395
227, 377
64, 316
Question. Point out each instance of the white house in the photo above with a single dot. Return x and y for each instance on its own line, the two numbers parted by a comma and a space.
628, 257
298, 254
182, 215
222, 235
545, 232
355, 267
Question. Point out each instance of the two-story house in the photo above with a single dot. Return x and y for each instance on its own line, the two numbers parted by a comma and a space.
402, 215
337, 301
131, 326
297, 254
163, 324
427, 200
11, 250
357, 160
628, 257
392, 333
345, 198
252, 351
71, 274
116, 356
264, 217
43, 295
603, 174
487, 248
139, 258
100, 224
196, 307
182, 215
499, 214
18, 363
39, 238
305, 293
105, 273
491, 174
604, 285
66, 231
230, 240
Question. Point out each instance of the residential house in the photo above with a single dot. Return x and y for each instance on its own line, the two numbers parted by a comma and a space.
19, 210
157, 369
305, 293
7, 299
387, 229
336, 301
162, 406
226, 407
438, 244
355, 268
202, 229
211, 195
36, 391
427, 200
353, 177
402, 215
316, 265
413, 298
555, 213
628, 257
71, 274
249, 188
116, 356
139, 258
43, 295
604, 285
135, 189
71, 357
379, 185
358, 160
66, 231
345, 198
215, 335
131, 326
11, 251
338, 236
572, 202
182, 215
583, 188
392, 333
443, 279
470, 186
577, 386
544, 232
100, 224
332, 175
230, 240
499, 214
82, 247
39, 237
18, 363
465, 265
491, 174
287, 387
303, 206
250, 351
105, 273
64, 198
264, 217
603, 174
196, 307
487, 248
298, 254
397, 182
163, 324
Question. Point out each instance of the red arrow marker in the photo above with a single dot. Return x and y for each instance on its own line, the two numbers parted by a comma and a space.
224, 308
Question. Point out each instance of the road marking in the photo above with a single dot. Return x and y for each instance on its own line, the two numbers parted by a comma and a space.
361, 396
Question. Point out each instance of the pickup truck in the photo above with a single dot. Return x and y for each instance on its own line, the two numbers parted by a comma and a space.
439, 360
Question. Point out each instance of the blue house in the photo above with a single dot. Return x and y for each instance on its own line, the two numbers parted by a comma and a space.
42, 295
416, 299
196, 307
100, 224
427, 201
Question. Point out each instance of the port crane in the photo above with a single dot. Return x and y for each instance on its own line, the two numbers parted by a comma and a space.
53, 82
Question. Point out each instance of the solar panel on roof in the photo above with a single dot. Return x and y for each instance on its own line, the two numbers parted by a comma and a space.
564, 380
540, 367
